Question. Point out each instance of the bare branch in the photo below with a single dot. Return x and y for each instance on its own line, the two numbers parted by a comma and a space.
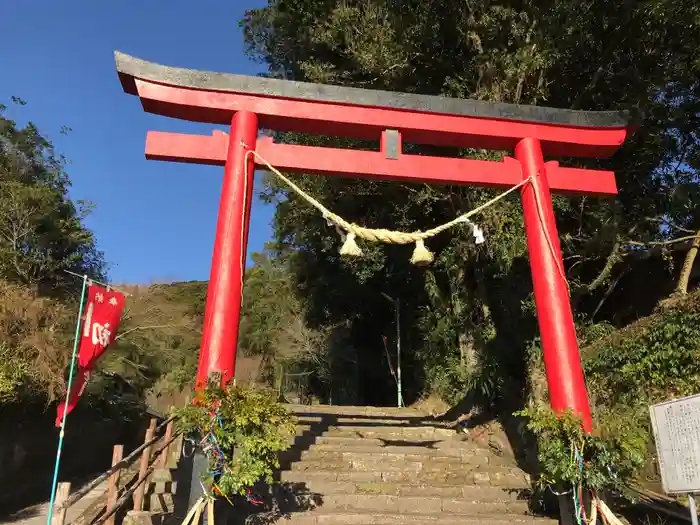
153, 327
612, 259
662, 243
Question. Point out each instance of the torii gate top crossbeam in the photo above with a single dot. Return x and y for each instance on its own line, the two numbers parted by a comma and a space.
283, 105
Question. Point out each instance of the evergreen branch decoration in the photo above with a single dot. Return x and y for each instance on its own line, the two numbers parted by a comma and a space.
242, 430
569, 457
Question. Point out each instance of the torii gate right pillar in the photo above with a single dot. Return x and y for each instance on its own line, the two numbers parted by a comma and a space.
567, 389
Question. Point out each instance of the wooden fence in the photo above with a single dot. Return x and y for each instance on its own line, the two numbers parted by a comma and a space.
127, 479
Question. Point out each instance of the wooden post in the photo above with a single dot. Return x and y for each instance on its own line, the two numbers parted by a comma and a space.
165, 454
62, 493
143, 468
113, 483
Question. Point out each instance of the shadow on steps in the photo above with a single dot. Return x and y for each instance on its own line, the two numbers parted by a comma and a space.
280, 501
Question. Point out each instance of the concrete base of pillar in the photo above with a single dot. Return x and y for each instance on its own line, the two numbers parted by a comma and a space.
161, 503
566, 511
138, 517
567, 515
195, 473
162, 482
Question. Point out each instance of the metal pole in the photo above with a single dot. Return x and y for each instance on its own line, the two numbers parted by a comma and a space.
567, 389
69, 386
398, 353
693, 509
397, 378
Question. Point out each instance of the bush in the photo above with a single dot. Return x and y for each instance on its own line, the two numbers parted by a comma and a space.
35, 344
609, 458
655, 362
14, 373
245, 429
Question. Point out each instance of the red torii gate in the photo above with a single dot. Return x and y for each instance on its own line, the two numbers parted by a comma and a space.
249, 104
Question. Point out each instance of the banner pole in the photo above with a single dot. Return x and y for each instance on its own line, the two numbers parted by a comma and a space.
76, 339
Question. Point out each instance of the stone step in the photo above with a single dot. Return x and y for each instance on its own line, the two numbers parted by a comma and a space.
473, 493
455, 457
447, 449
423, 433
396, 463
339, 410
388, 466
509, 478
303, 432
357, 441
321, 517
438, 447
362, 421
419, 504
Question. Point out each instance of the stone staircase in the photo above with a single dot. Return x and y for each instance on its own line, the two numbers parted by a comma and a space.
381, 466
37, 514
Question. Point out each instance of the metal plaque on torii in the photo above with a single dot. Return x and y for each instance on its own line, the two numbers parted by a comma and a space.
676, 426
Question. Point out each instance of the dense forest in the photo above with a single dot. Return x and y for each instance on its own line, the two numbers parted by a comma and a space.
322, 326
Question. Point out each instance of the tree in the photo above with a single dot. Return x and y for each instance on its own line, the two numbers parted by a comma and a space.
42, 231
157, 345
295, 355
41, 234
473, 308
684, 278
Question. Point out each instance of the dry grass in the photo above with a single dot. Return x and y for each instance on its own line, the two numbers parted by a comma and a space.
35, 334
431, 405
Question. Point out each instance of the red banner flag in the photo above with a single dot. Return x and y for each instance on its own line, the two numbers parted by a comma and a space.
103, 312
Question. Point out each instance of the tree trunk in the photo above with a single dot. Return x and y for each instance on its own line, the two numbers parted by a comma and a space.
682, 286
467, 351
465, 339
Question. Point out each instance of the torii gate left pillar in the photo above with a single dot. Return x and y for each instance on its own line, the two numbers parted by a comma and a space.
248, 104
220, 332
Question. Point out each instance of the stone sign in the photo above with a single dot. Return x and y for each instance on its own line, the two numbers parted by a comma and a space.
676, 427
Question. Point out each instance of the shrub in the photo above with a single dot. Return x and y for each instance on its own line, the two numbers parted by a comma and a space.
609, 458
244, 429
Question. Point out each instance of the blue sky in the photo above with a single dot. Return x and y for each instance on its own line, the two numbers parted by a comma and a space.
155, 221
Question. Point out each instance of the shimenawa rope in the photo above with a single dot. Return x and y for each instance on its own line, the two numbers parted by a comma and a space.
421, 255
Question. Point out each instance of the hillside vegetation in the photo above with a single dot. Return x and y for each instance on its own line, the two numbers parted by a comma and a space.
42, 236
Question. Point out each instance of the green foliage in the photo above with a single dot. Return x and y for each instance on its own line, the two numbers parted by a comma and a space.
251, 429
42, 231
452, 381
14, 373
157, 343
270, 308
656, 361
296, 356
608, 460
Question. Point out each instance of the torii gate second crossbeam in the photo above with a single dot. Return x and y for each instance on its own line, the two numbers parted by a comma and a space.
248, 104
